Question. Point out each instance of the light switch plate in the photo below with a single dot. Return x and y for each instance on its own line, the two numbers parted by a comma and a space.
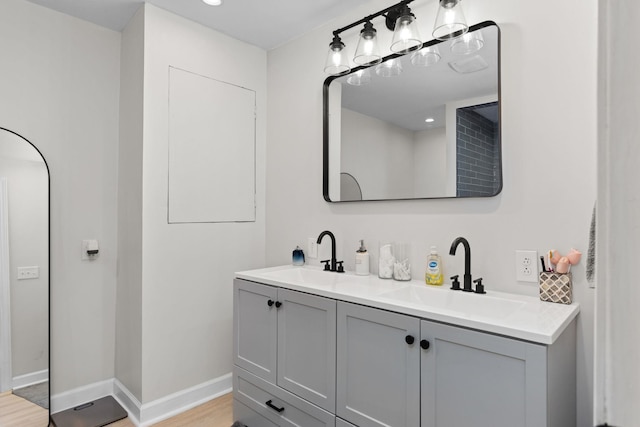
312, 248
25, 273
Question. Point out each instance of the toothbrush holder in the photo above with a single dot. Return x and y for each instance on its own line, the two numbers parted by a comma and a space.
556, 287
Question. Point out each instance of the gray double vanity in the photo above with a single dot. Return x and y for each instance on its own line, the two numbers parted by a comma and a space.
315, 348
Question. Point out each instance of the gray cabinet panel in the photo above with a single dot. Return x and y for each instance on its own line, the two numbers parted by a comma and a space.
307, 347
474, 378
255, 328
378, 373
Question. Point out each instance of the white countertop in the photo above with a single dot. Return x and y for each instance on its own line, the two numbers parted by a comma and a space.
516, 316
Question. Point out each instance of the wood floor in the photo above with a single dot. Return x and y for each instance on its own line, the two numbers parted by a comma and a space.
215, 413
18, 412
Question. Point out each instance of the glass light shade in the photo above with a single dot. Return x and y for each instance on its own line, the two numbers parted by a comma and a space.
406, 36
337, 62
360, 77
467, 43
390, 68
212, 2
367, 51
426, 56
450, 22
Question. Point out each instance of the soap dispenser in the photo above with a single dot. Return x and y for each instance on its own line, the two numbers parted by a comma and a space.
433, 275
362, 260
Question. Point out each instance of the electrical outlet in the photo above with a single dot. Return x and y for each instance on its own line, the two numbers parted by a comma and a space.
526, 266
312, 248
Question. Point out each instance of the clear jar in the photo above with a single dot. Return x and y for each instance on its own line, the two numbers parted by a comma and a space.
402, 261
385, 260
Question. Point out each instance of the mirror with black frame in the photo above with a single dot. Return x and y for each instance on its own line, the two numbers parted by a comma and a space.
24, 283
421, 125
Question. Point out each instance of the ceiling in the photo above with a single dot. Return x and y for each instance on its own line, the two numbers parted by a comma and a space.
263, 23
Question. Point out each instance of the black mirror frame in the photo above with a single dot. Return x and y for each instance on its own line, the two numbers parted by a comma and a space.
325, 123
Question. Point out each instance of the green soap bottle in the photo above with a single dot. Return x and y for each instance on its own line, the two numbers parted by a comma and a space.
434, 275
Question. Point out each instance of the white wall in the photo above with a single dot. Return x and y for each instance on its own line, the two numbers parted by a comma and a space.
188, 269
430, 162
617, 375
128, 348
378, 154
60, 82
549, 155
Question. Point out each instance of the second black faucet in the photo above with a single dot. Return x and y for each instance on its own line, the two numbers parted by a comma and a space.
335, 264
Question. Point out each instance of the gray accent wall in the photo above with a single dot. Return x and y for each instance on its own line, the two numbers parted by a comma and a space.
477, 154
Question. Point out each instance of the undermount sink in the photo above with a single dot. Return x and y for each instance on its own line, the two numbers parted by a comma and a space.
306, 276
469, 304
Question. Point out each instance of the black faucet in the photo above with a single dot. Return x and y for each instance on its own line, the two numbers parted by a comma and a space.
333, 260
467, 261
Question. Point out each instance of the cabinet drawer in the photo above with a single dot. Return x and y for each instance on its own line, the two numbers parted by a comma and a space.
276, 404
342, 423
248, 416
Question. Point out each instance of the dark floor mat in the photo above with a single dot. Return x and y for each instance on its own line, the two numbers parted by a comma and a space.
98, 413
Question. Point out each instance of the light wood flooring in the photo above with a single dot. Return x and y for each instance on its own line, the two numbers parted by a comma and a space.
18, 412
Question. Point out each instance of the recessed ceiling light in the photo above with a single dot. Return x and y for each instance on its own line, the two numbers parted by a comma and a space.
429, 120
213, 2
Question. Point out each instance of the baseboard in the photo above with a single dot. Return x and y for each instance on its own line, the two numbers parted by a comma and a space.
184, 400
30, 379
128, 401
144, 415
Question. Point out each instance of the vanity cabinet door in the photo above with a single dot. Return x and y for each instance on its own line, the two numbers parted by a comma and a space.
307, 347
255, 328
378, 367
470, 378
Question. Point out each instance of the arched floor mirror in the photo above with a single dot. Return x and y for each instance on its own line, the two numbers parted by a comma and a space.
24, 283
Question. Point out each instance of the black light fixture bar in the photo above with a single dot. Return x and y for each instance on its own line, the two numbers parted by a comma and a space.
370, 17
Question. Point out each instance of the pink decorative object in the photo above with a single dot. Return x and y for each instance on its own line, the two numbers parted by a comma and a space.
574, 256
562, 266
555, 256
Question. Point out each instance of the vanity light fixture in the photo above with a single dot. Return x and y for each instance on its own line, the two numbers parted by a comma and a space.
426, 56
389, 68
467, 43
429, 120
405, 34
360, 77
212, 2
367, 51
337, 62
450, 22
398, 18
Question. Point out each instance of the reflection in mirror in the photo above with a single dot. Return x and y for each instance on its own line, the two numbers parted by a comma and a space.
24, 283
431, 129
349, 187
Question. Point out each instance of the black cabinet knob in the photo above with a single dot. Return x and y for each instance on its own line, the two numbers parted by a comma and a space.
424, 344
278, 304
270, 302
409, 339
